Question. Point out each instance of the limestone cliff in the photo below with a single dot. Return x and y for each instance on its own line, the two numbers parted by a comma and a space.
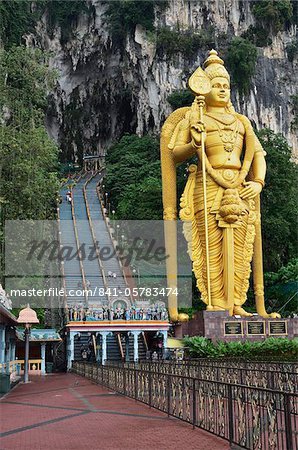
104, 90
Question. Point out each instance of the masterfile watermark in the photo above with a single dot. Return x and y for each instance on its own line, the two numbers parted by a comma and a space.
58, 252
53, 262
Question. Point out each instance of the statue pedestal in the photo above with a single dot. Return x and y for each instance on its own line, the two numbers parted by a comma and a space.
218, 325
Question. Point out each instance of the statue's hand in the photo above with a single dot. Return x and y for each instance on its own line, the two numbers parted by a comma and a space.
196, 131
251, 190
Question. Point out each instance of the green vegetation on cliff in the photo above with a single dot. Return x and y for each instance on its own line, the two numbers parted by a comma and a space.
65, 14
173, 42
271, 16
19, 17
294, 104
122, 16
241, 61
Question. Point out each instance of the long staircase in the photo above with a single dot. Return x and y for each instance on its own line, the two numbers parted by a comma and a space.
102, 236
93, 274
73, 276
91, 293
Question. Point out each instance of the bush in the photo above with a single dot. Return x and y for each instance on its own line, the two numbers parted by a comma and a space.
241, 60
292, 50
65, 15
201, 347
273, 14
294, 123
170, 42
270, 17
180, 98
123, 16
258, 35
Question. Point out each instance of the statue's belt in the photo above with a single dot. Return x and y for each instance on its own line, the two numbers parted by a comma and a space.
227, 174
215, 192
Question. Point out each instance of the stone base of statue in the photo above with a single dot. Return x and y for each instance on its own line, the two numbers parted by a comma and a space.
219, 326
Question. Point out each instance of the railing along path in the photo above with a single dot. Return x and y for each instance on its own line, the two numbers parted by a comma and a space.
248, 416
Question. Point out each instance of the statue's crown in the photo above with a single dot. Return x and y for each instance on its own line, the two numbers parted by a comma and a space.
214, 66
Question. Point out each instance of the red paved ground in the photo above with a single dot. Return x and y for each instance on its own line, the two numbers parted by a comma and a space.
66, 411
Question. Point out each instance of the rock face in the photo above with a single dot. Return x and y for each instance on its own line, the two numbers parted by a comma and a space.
104, 91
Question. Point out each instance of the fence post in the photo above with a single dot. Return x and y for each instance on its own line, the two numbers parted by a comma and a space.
288, 424
136, 384
124, 381
150, 388
230, 414
272, 380
194, 403
168, 393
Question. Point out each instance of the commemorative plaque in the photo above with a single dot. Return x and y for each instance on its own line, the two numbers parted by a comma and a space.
255, 327
278, 327
233, 328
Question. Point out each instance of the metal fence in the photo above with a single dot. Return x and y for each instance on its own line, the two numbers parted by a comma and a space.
269, 378
251, 417
260, 364
282, 366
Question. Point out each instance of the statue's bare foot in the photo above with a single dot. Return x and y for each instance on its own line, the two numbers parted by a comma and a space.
238, 311
273, 315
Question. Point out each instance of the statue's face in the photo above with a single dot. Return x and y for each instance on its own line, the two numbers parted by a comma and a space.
220, 92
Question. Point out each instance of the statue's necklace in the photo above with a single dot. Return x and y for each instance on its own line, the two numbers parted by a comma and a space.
228, 131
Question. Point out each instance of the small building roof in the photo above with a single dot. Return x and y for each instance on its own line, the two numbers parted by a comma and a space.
6, 316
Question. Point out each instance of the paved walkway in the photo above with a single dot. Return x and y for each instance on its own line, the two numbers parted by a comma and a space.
65, 411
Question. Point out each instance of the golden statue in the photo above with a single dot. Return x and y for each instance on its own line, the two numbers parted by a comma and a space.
221, 201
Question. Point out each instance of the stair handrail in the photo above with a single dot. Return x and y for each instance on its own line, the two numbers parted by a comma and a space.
112, 239
77, 244
120, 345
145, 341
93, 236
62, 271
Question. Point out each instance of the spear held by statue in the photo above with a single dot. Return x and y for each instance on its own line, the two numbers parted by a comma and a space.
200, 85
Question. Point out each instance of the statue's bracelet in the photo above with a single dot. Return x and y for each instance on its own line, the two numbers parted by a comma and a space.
262, 182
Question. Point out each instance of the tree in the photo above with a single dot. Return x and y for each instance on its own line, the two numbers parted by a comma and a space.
29, 158
279, 202
133, 178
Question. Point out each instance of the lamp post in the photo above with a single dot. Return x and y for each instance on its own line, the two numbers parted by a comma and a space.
27, 317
